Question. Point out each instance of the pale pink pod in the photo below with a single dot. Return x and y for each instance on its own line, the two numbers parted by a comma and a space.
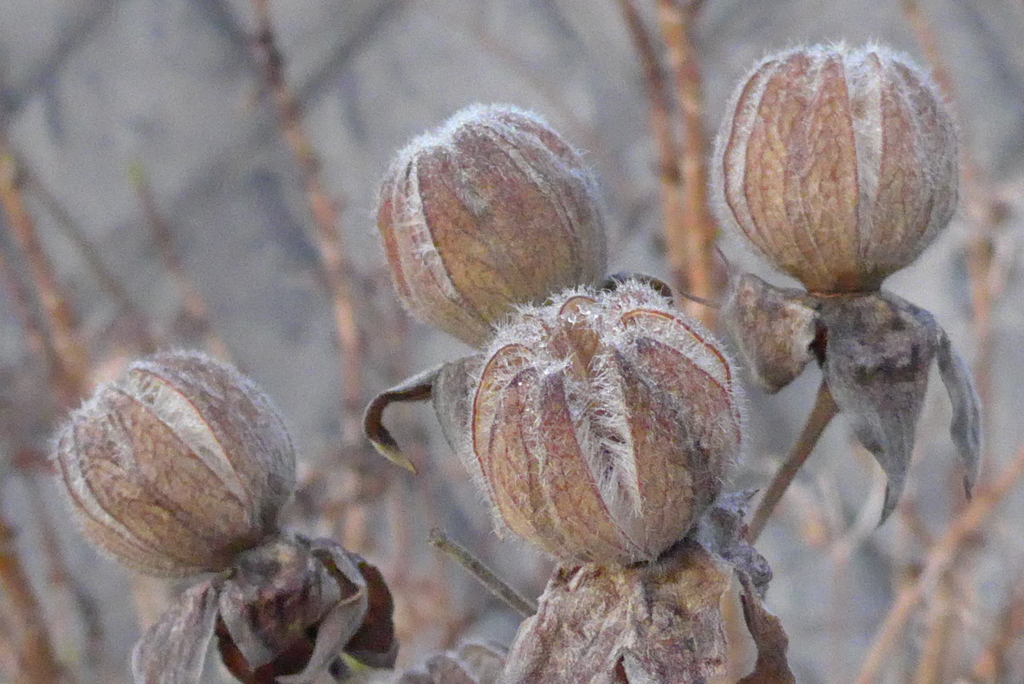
492, 210
602, 424
177, 466
838, 165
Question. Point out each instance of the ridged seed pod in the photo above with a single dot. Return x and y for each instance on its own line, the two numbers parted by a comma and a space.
839, 165
602, 424
178, 466
492, 210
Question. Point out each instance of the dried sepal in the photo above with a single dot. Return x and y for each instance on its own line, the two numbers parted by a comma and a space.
773, 328
265, 579
453, 403
966, 424
880, 349
374, 644
286, 612
722, 530
177, 466
492, 210
173, 650
416, 388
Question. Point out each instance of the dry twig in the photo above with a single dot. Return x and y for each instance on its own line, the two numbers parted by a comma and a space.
36, 659
940, 557
106, 279
660, 111
324, 212
522, 605
72, 355
195, 306
691, 243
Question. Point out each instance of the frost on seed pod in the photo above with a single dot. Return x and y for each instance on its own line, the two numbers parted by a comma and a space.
839, 165
492, 210
602, 424
178, 466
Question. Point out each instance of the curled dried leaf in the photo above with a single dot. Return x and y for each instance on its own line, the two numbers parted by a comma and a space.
453, 403
415, 388
879, 351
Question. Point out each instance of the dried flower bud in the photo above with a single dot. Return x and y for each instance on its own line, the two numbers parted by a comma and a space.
838, 165
178, 466
602, 424
492, 210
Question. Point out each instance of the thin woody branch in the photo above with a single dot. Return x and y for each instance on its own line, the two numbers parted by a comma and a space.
661, 121
74, 359
938, 561
691, 246
36, 659
336, 270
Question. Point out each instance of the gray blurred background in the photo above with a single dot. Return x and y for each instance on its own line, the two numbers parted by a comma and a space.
91, 90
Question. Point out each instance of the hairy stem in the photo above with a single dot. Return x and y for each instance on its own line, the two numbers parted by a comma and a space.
522, 605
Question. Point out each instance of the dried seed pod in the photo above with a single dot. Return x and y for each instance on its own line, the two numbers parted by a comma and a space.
839, 165
492, 210
602, 424
178, 466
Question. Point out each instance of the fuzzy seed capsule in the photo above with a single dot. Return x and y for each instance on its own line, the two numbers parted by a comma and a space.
602, 424
839, 165
177, 466
492, 210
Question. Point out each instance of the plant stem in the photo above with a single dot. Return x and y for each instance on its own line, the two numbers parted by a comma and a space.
824, 411
461, 555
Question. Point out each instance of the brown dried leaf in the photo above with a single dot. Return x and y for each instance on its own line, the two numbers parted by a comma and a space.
879, 350
966, 425
772, 666
374, 643
773, 328
173, 650
415, 388
657, 622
